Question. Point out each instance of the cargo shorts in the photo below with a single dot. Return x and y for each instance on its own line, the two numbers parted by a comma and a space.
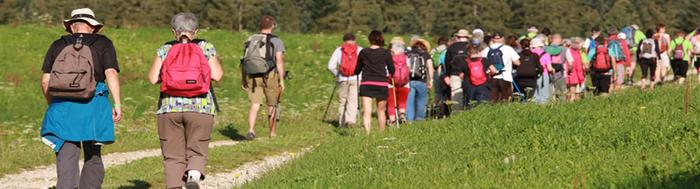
260, 87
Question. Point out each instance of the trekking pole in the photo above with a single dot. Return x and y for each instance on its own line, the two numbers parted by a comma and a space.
687, 99
325, 113
396, 104
274, 114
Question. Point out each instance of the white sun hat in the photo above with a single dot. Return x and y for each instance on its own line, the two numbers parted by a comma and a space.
83, 14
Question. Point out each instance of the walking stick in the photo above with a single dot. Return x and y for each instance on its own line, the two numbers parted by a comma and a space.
274, 114
396, 104
325, 113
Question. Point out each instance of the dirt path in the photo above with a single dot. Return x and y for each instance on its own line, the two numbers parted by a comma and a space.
45, 176
250, 171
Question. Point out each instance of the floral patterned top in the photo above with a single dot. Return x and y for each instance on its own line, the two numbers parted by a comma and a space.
172, 104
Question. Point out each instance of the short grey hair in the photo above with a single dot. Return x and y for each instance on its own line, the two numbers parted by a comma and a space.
185, 22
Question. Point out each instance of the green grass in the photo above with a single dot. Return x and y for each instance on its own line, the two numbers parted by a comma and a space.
629, 140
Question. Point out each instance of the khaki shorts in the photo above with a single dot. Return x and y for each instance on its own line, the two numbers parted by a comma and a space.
263, 87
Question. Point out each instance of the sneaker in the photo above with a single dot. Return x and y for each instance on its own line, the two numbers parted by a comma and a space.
402, 118
193, 178
250, 136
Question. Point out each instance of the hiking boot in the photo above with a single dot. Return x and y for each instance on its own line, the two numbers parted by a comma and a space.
402, 118
250, 136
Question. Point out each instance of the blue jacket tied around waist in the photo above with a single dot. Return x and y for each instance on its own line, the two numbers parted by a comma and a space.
77, 121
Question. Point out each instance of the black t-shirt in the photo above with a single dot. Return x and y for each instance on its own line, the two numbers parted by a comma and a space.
374, 63
426, 56
103, 53
454, 65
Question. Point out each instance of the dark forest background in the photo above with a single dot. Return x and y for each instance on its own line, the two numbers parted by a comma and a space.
430, 17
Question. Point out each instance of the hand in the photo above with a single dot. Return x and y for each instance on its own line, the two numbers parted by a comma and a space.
461, 76
447, 81
430, 85
281, 86
117, 114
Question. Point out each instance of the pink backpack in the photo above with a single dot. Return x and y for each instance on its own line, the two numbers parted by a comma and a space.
401, 71
185, 71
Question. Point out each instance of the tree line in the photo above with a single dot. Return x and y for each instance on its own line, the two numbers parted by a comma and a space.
434, 17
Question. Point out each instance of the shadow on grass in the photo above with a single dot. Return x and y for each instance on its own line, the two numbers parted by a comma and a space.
657, 178
136, 184
232, 133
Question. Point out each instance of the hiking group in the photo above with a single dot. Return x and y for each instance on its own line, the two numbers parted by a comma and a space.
473, 68
80, 73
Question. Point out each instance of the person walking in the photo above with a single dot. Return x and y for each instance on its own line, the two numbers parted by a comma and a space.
577, 66
455, 61
185, 117
648, 55
398, 82
342, 65
663, 40
503, 58
421, 74
263, 73
374, 63
79, 113
543, 91
557, 53
681, 50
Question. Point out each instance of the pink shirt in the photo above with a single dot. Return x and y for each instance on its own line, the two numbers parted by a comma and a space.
545, 59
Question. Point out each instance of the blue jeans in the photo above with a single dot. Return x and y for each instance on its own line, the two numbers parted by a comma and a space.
417, 100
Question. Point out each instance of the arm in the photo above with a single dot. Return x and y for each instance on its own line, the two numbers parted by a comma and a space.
45, 86
389, 63
430, 73
447, 60
216, 71
113, 85
360, 63
626, 50
334, 62
154, 73
280, 68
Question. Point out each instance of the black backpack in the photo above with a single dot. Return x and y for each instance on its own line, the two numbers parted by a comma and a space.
417, 65
529, 65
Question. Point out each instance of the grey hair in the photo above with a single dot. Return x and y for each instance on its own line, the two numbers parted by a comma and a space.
185, 22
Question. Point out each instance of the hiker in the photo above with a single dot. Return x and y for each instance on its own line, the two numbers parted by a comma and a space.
513, 42
601, 65
663, 40
543, 91
634, 37
454, 62
528, 71
680, 50
577, 64
502, 57
531, 33
263, 77
479, 39
695, 40
441, 88
79, 113
185, 114
590, 43
648, 56
421, 74
476, 74
557, 54
373, 63
620, 53
546, 35
342, 65
398, 82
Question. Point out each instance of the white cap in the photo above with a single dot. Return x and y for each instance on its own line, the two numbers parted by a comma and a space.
83, 14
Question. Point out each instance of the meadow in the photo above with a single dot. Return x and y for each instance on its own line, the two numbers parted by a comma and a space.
629, 140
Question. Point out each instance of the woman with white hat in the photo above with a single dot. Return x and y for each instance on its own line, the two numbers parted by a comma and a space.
542, 92
87, 122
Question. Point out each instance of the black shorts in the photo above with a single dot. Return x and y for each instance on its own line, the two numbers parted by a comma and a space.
376, 92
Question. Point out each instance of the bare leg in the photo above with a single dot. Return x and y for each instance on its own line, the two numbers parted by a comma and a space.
252, 115
367, 113
381, 114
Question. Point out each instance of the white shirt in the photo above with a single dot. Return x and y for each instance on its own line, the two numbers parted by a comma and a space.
334, 63
509, 55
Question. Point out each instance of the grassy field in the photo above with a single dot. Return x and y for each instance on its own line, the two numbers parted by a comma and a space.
630, 140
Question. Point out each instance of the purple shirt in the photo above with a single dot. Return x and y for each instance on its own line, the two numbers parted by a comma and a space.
545, 60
